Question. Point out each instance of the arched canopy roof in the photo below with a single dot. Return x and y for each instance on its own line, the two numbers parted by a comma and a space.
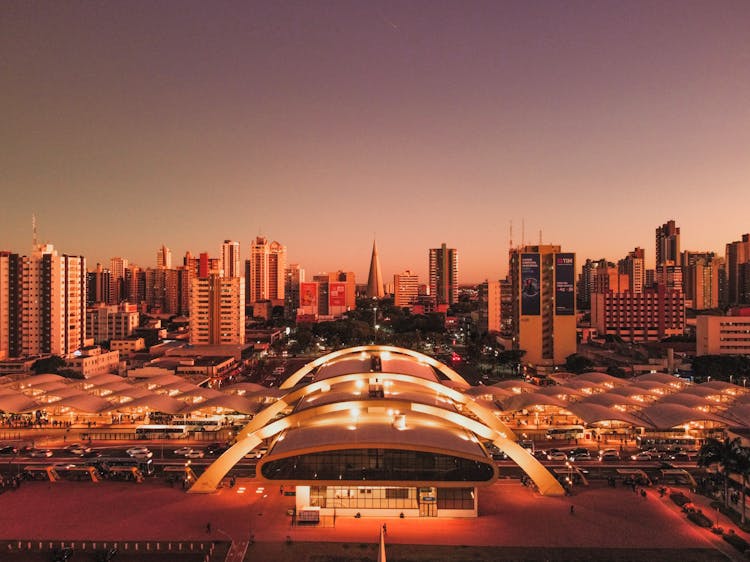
18, 403
596, 377
596, 413
689, 400
667, 416
528, 399
662, 378
610, 399
155, 402
226, 401
400, 403
83, 403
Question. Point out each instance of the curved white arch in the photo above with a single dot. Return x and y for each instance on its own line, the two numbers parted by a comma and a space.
257, 430
307, 368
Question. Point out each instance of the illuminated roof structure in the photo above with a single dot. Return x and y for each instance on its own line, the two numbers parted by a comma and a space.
377, 415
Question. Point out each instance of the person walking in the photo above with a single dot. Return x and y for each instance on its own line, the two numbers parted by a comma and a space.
572, 509
385, 529
208, 527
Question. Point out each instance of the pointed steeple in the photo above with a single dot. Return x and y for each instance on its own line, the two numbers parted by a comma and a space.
375, 279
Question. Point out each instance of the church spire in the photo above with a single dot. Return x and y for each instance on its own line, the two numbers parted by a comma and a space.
375, 279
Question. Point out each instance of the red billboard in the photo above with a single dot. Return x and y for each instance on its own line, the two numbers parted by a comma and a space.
308, 296
336, 294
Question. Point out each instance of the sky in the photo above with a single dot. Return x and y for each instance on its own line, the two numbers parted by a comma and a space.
327, 124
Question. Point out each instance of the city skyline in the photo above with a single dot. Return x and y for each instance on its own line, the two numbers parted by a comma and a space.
327, 126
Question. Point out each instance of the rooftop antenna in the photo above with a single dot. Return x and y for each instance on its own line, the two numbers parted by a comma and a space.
540, 236
523, 232
33, 229
510, 236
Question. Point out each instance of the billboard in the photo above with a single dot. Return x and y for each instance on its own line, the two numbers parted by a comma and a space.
530, 285
565, 285
336, 294
308, 297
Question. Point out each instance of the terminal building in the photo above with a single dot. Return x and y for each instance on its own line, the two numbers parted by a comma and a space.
378, 431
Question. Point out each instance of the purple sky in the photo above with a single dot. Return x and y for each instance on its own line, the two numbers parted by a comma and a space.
126, 125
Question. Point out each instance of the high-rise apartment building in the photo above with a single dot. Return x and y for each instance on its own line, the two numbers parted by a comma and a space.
738, 271
667, 244
265, 271
231, 260
489, 306
405, 289
375, 288
164, 257
703, 281
117, 267
217, 312
443, 269
544, 303
42, 303
586, 280
634, 266
294, 275
99, 285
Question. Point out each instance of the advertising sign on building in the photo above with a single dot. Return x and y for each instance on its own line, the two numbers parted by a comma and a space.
565, 285
336, 294
530, 285
308, 298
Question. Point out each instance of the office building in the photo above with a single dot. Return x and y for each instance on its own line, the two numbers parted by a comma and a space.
293, 276
489, 311
722, 335
99, 285
405, 289
639, 317
634, 266
443, 268
544, 304
117, 267
217, 314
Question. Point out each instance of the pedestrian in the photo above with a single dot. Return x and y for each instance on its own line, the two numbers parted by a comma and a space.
208, 527
572, 509
385, 529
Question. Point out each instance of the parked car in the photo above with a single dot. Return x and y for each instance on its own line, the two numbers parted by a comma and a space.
77, 448
216, 449
92, 454
183, 451
40, 453
8, 450
194, 454
608, 451
581, 456
557, 456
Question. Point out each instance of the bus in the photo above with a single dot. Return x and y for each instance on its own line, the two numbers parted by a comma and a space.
105, 464
210, 423
159, 431
667, 443
565, 432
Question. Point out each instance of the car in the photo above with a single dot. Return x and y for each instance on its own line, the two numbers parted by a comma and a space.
142, 456
64, 465
581, 456
540, 454
608, 457
81, 446
642, 456
40, 453
183, 450
194, 454
92, 454
79, 451
681, 456
143, 452
608, 451
557, 456
8, 450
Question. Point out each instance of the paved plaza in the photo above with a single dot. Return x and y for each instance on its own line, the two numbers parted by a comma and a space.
511, 516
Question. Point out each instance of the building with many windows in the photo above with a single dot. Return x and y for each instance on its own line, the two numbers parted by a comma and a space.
544, 303
405, 289
443, 269
265, 271
217, 312
107, 322
722, 335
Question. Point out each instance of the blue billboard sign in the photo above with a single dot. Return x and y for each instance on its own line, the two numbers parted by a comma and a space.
565, 285
530, 285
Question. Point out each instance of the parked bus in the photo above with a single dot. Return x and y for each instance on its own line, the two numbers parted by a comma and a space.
160, 431
565, 432
105, 464
211, 423
665, 443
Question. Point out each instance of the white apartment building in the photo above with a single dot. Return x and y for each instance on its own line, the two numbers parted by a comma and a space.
217, 310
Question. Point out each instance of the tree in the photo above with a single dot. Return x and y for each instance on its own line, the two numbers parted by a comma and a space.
742, 466
51, 364
578, 364
726, 454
